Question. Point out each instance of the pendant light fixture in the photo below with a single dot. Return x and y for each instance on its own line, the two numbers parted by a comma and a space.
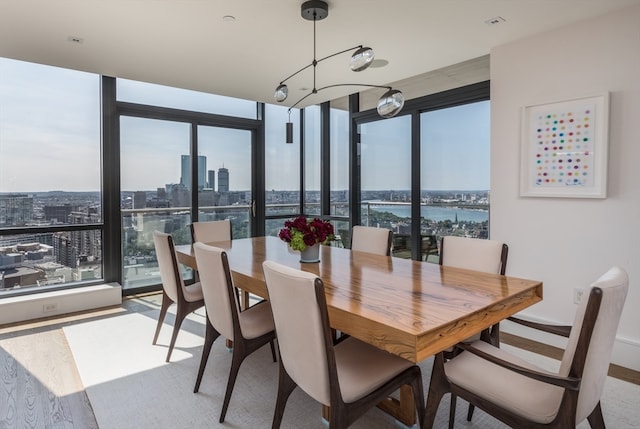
389, 105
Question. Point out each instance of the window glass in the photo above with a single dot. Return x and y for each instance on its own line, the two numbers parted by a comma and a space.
165, 96
224, 177
312, 165
385, 156
50, 174
156, 184
455, 157
282, 169
339, 158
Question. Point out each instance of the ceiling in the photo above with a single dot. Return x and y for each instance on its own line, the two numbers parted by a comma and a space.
189, 44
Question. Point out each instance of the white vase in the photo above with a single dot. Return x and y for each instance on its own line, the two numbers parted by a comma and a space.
310, 253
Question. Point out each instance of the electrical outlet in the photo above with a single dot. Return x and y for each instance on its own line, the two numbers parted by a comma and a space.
48, 308
577, 295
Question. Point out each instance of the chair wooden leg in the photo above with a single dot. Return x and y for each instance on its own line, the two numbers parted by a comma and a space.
437, 388
418, 398
273, 351
452, 410
239, 353
180, 316
596, 420
166, 302
210, 336
285, 386
470, 412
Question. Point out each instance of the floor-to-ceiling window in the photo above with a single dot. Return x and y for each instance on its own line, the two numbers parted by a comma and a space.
154, 195
339, 174
282, 168
385, 178
454, 180
225, 170
50, 178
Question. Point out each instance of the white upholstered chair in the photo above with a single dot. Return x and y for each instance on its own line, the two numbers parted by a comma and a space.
187, 298
350, 377
477, 254
519, 393
372, 240
210, 231
249, 330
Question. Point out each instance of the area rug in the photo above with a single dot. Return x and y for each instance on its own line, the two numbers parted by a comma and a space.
130, 386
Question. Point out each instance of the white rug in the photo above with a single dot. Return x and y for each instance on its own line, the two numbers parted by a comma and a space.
131, 387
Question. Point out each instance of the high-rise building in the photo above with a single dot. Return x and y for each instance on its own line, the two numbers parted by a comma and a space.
58, 213
223, 180
139, 200
63, 249
185, 171
16, 209
212, 179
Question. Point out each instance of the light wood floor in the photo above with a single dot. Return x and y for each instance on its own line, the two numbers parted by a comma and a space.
40, 386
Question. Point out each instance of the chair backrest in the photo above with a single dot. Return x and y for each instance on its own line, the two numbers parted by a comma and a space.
489, 256
217, 288
612, 288
372, 240
302, 327
172, 282
210, 231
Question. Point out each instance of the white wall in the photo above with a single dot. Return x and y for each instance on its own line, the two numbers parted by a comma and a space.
568, 242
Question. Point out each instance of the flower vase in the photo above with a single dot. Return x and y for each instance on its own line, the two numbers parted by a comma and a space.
310, 253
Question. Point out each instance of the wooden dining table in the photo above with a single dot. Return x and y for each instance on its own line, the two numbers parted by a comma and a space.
410, 308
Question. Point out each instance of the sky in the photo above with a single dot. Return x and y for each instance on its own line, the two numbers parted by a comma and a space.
50, 139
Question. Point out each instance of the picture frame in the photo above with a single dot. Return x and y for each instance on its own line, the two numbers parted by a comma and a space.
564, 148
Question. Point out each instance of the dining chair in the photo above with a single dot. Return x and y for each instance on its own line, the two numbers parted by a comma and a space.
349, 377
187, 298
521, 394
480, 255
210, 231
249, 330
372, 240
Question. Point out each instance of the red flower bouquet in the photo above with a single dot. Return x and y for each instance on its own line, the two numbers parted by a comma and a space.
300, 232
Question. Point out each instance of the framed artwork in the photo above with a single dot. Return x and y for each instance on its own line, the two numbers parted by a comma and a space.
564, 148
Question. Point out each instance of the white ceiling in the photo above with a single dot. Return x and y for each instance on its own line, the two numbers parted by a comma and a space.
187, 44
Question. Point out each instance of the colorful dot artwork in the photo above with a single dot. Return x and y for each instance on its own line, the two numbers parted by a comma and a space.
562, 147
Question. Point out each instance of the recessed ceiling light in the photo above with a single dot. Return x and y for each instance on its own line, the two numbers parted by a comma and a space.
228, 18
494, 21
75, 39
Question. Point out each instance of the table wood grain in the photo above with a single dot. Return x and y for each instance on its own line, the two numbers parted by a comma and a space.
410, 308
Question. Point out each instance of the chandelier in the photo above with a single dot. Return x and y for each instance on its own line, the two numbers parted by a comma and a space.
389, 104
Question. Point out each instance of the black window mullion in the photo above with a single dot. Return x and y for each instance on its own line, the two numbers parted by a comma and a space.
416, 243
112, 218
325, 160
194, 171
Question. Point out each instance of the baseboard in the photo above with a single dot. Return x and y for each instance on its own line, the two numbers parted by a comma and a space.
626, 352
47, 304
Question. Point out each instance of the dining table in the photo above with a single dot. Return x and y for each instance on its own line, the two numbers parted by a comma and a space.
410, 308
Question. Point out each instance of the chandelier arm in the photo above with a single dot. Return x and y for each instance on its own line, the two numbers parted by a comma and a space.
336, 85
321, 59
338, 53
299, 101
354, 84
301, 70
